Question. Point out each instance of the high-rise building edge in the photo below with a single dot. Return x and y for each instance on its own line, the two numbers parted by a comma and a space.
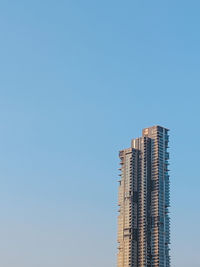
143, 221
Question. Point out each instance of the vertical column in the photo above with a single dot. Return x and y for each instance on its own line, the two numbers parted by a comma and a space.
159, 196
142, 205
167, 199
127, 209
134, 250
143, 145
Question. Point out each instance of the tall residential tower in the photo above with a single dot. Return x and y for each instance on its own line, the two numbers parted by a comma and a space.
143, 221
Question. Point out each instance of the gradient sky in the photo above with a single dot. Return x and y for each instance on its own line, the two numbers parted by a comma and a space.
78, 80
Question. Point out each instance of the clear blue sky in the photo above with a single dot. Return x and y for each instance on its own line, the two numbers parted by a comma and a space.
78, 80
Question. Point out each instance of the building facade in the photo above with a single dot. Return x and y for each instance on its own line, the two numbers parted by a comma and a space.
143, 221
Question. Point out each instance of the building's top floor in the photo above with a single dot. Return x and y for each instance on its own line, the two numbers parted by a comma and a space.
150, 131
147, 134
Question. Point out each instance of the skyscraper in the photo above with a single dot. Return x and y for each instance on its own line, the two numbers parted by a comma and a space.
143, 221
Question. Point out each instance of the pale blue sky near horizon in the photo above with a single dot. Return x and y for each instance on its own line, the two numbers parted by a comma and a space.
79, 80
